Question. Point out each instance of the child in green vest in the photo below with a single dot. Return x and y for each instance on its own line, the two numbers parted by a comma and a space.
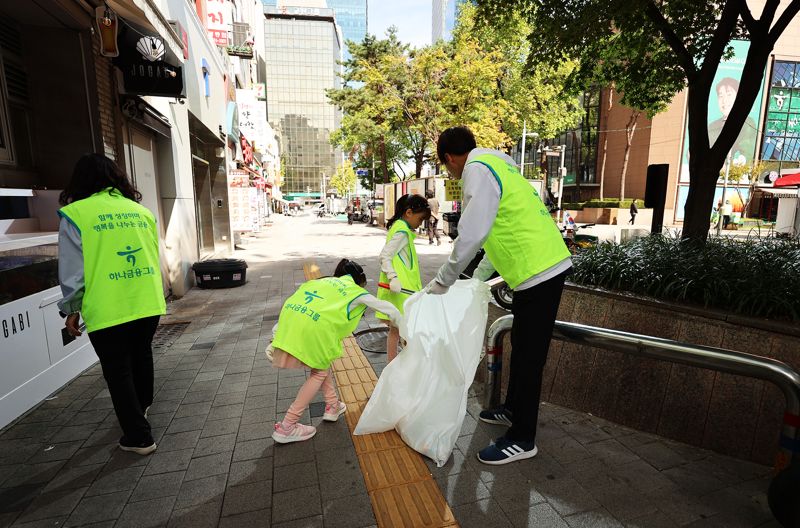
311, 326
399, 262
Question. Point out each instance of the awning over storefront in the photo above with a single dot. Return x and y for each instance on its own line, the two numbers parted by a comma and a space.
778, 193
147, 15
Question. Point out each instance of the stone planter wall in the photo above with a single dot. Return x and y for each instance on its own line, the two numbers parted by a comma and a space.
729, 414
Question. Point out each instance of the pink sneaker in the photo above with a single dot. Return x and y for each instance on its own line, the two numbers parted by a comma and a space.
296, 433
332, 413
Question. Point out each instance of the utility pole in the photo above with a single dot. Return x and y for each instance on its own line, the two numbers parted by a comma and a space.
522, 158
524, 138
562, 171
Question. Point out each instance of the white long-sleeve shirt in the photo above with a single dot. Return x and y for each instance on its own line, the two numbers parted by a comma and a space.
70, 267
397, 244
480, 204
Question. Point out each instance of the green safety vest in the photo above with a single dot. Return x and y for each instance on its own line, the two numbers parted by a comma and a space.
524, 240
316, 318
122, 275
407, 272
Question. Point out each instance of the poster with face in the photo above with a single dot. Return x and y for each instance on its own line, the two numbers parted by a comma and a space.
720, 101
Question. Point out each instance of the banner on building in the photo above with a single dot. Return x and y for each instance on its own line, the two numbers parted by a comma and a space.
720, 101
252, 118
218, 21
261, 91
239, 200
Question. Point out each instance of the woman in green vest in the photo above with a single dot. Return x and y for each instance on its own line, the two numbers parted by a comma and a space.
109, 271
311, 326
399, 262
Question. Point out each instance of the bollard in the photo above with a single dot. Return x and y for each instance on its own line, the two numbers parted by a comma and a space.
494, 360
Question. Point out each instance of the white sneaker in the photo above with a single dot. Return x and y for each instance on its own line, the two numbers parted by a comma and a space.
332, 413
296, 433
141, 449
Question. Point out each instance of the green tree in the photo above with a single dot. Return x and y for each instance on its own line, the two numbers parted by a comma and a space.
653, 49
365, 130
344, 180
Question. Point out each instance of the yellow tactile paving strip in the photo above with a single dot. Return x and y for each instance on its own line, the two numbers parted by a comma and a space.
401, 489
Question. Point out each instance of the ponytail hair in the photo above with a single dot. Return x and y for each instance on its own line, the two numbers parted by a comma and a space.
414, 202
348, 267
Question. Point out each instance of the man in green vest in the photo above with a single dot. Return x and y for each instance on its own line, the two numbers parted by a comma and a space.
109, 271
502, 213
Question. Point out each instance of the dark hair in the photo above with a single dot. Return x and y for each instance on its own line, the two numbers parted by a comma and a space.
92, 174
730, 82
348, 267
429, 194
455, 140
415, 202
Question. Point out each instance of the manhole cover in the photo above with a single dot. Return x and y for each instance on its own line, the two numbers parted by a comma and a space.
372, 340
167, 334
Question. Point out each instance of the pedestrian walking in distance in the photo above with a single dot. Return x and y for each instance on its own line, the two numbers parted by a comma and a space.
634, 211
311, 326
504, 214
399, 262
433, 220
109, 271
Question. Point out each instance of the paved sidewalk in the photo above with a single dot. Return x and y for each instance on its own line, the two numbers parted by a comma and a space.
217, 398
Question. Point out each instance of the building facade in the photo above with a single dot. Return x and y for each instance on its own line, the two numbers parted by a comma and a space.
302, 47
351, 16
608, 154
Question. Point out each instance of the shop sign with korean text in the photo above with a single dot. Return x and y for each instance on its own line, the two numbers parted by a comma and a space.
252, 118
218, 21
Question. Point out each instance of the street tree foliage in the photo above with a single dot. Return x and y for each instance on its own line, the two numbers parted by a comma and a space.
344, 180
397, 100
650, 50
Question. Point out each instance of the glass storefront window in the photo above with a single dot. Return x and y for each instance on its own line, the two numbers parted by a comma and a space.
781, 140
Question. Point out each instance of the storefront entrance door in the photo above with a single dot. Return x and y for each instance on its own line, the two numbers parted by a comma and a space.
203, 207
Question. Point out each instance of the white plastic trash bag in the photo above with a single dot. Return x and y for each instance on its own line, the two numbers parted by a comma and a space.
423, 392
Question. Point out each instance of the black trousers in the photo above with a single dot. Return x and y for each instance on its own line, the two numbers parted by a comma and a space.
126, 356
535, 311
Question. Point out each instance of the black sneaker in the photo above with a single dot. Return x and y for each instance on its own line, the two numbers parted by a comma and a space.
497, 416
504, 451
143, 448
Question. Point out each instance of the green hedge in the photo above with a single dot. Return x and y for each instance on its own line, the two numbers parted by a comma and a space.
759, 278
609, 203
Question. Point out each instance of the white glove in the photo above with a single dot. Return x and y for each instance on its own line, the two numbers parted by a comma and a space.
395, 317
395, 285
435, 288
268, 352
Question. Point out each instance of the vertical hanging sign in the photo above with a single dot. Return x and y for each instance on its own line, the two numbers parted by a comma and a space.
218, 20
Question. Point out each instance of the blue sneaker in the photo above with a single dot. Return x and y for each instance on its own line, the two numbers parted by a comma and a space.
497, 416
503, 451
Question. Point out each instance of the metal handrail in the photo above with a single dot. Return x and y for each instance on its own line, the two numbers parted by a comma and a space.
718, 359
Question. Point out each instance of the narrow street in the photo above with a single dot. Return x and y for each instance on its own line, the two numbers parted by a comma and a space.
218, 396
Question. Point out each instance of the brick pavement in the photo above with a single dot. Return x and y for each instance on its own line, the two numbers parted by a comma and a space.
217, 398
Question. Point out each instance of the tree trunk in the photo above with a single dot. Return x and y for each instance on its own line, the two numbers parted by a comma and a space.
699, 202
384, 167
630, 130
605, 141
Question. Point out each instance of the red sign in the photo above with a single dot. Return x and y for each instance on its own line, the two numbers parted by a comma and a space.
247, 150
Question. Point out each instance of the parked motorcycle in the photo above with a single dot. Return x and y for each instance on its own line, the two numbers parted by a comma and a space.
576, 242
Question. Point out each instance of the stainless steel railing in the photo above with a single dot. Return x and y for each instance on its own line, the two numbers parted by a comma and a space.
718, 359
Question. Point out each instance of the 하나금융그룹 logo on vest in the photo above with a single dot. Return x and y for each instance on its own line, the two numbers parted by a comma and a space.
129, 255
310, 296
